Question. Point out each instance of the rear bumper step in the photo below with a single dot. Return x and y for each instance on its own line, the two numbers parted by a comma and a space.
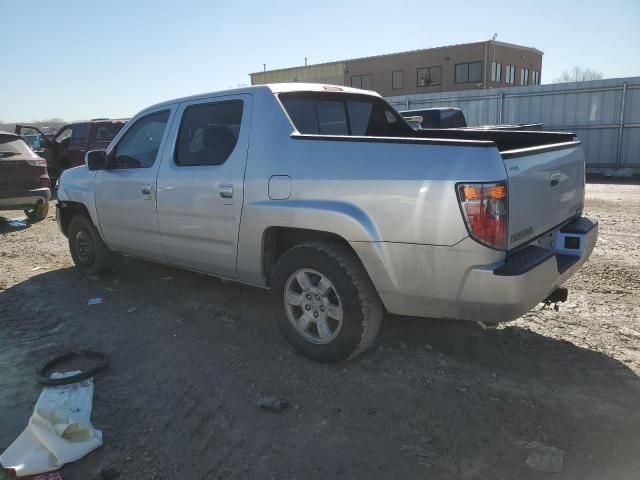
579, 226
523, 261
570, 244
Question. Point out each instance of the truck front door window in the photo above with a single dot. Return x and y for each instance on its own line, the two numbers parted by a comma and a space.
139, 147
64, 135
33, 138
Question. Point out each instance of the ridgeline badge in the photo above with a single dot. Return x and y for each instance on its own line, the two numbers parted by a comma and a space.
521, 234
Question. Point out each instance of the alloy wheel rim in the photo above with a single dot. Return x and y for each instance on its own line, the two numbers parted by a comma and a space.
84, 247
313, 306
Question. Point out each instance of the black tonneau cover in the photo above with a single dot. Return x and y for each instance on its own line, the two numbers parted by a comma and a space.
505, 140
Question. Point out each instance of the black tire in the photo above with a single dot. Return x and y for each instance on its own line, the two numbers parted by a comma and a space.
100, 360
91, 256
38, 212
360, 303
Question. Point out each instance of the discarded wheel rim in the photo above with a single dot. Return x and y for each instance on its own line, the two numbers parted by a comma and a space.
100, 360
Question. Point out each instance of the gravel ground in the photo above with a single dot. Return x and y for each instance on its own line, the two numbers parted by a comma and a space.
434, 399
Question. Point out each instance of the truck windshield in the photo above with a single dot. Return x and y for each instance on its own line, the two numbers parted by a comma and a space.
10, 146
343, 114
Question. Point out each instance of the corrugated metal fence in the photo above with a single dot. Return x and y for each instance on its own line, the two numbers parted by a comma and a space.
604, 113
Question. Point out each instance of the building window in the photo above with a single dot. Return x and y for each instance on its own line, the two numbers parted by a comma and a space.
397, 79
429, 76
524, 76
361, 81
510, 74
535, 77
469, 72
496, 72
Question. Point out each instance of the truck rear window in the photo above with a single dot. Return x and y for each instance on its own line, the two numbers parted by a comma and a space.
107, 132
439, 118
452, 119
343, 114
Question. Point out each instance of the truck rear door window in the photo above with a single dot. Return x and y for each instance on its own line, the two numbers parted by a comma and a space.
343, 114
208, 133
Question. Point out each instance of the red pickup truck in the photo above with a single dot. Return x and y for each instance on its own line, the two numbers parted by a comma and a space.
67, 147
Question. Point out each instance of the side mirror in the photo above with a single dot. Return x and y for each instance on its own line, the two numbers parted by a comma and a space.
96, 160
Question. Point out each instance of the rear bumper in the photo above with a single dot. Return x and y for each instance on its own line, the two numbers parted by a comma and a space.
527, 277
471, 282
24, 199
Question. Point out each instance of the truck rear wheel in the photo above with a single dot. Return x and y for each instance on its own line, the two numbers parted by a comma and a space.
90, 255
331, 311
38, 212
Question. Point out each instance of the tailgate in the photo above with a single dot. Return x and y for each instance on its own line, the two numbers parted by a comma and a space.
546, 187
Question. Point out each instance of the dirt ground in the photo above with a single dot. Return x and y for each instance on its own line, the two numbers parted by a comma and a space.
433, 399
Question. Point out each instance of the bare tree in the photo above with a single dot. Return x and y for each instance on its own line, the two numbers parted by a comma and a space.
579, 74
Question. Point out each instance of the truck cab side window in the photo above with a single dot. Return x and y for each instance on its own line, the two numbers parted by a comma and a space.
208, 133
139, 146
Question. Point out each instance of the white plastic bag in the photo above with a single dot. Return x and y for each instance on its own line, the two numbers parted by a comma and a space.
59, 430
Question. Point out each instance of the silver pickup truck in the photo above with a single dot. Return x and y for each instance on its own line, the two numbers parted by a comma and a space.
329, 198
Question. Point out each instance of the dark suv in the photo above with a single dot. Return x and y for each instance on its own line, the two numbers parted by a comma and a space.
24, 182
66, 148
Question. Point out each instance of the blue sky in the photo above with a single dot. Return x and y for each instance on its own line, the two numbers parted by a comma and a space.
78, 59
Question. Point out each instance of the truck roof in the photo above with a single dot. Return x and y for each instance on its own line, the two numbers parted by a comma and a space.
274, 88
106, 120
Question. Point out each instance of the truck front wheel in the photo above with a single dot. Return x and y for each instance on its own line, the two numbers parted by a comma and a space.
328, 309
91, 256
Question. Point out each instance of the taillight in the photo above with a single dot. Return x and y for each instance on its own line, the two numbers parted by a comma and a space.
45, 182
37, 162
484, 208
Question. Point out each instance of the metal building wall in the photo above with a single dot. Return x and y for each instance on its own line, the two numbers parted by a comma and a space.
605, 114
331, 73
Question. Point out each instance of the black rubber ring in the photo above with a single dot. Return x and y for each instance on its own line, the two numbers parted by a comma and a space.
103, 361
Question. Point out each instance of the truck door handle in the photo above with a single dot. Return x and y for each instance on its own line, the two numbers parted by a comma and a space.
554, 179
146, 191
225, 191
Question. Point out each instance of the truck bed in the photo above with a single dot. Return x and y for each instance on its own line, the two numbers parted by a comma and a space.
505, 140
